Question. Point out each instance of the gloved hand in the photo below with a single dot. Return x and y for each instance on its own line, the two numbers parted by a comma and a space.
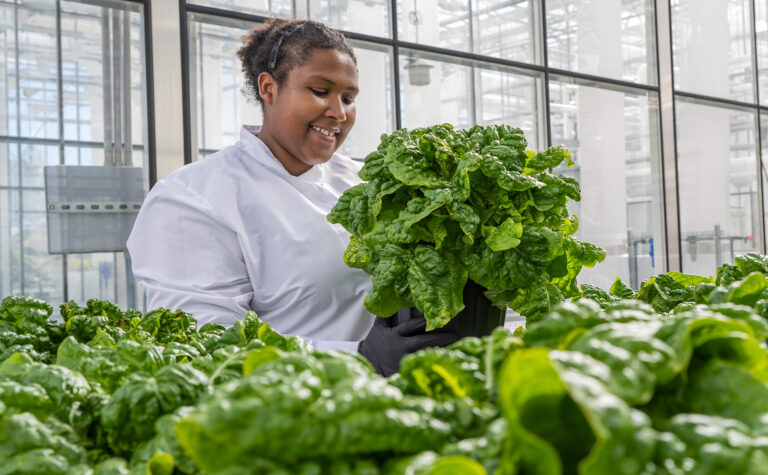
385, 344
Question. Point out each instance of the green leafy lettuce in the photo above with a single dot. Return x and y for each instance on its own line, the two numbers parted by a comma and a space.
440, 206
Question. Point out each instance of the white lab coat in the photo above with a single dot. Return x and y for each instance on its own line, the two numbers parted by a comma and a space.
235, 232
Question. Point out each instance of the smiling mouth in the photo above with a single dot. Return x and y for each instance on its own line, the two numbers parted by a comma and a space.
326, 132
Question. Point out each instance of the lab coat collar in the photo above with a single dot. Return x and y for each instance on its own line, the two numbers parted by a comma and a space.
251, 142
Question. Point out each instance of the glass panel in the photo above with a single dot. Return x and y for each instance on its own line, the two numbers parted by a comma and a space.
10, 257
15, 250
718, 216
42, 271
764, 172
8, 113
9, 164
761, 25
28, 70
360, 16
33, 202
91, 156
444, 23
435, 89
374, 103
94, 276
279, 8
506, 96
219, 107
505, 29
712, 46
84, 66
33, 159
95, 40
610, 39
140, 159
5, 165
613, 136
83, 73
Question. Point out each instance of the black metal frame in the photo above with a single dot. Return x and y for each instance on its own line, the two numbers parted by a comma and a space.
396, 44
545, 58
18, 145
714, 100
60, 85
755, 107
395, 65
544, 70
20, 140
149, 69
676, 197
63, 143
185, 82
759, 141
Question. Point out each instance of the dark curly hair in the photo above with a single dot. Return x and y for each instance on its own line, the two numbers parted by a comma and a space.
279, 45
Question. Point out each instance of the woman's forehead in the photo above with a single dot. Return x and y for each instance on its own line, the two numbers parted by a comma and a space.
328, 64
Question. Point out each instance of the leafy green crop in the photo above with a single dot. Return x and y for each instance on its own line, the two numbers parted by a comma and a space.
672, 379
745, 282
440, 206
25, 327
618, 388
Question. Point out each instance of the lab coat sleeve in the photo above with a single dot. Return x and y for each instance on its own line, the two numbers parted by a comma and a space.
323, 345
186, 257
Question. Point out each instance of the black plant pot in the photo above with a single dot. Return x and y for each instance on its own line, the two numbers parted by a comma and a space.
478, 318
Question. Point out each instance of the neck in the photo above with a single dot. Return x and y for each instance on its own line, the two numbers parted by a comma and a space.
291, 164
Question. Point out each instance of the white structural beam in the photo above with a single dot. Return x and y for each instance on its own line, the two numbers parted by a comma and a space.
668, 150
168, 98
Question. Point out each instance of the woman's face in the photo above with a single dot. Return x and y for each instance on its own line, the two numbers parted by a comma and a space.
307, 118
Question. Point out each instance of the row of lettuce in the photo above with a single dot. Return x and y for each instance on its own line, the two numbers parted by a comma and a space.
670, 379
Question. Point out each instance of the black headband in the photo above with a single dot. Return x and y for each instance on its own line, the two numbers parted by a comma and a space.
276, 48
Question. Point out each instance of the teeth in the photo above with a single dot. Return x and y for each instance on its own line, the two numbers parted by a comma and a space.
323, 131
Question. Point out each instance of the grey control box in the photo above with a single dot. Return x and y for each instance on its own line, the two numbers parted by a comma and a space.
91, 208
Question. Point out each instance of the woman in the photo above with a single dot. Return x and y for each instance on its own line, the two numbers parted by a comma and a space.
246, 229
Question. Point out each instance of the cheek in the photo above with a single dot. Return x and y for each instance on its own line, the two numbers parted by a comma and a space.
311, 104
351, 116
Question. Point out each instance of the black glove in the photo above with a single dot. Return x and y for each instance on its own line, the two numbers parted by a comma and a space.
386, 344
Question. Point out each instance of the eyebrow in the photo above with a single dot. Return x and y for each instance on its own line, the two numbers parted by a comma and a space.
320, 77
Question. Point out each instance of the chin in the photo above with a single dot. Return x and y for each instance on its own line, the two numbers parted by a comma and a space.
318, 161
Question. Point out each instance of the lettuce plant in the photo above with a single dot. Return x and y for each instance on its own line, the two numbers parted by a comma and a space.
440, 206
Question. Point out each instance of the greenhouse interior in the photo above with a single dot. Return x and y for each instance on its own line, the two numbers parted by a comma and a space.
540, 248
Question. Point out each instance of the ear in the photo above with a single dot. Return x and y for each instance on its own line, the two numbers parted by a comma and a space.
267, 87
